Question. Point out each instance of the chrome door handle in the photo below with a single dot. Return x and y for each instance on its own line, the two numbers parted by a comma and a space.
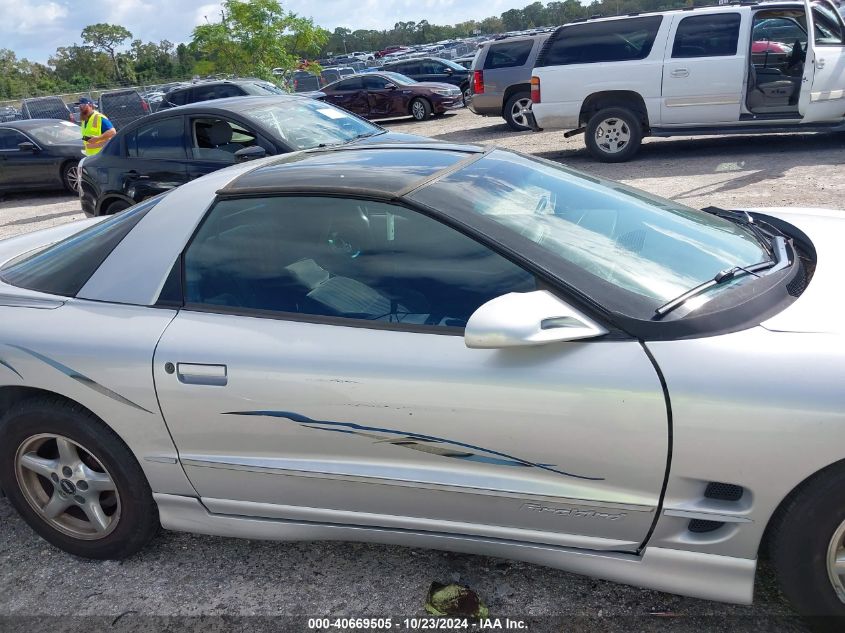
202, 374
680, 72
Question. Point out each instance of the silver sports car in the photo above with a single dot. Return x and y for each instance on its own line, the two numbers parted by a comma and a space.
437, 346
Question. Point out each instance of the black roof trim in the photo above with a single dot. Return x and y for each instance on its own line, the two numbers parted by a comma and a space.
281, 190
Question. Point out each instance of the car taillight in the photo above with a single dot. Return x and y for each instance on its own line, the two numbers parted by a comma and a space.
478, 82
535, 90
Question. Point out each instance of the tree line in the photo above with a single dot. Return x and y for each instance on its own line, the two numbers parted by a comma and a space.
254, 37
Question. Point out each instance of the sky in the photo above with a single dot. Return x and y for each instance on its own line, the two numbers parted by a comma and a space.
33, 29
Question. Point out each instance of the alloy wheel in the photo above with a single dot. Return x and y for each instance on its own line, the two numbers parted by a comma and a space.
72, 178
613, 135
518, 112
418, 110
67, 486
836, 561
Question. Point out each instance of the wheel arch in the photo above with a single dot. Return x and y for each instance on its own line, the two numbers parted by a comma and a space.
106, 200
614, 99
512, 90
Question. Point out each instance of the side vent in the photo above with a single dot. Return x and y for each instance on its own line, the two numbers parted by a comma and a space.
722, 492
700, 526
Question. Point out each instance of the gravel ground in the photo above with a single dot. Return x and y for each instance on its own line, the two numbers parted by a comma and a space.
187, 575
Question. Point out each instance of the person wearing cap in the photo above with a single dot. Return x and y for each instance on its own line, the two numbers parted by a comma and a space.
96, 128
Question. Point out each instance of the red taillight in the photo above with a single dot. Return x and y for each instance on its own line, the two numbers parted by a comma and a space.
535, 90
478, 82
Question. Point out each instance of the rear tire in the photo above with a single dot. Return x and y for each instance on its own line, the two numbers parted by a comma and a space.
513, 111
614, 135
420, 109
116, 207
74, 481
806, 536
70, 176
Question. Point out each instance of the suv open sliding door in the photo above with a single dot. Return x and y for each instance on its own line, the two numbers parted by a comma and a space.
823, 84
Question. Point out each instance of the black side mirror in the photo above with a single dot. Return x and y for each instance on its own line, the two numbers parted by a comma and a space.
250, 153
28, 147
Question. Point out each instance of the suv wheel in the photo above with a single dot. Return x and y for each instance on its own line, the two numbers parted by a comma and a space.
420, 109
514, 111
614, 135
70, 176
807, 546
74, 481
116, 207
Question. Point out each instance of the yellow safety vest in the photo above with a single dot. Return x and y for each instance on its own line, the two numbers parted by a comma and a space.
92, 127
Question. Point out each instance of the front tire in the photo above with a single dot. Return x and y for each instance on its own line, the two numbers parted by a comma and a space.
614, 135
74, 481
807, 546
513, 112
420, 109
70, 176
116, 207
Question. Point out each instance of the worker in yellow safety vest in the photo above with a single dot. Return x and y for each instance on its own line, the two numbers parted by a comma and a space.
96, 128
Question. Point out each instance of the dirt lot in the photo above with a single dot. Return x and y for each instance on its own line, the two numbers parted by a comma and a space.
189, 575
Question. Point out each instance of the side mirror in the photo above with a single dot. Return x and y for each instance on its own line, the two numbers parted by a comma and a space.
250, 153
28, 147
449, 71
389, 86
521, 319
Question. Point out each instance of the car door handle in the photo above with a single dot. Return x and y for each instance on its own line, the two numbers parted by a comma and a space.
680, 72
202, 374
134, 174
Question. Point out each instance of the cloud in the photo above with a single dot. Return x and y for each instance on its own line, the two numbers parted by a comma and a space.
35, 28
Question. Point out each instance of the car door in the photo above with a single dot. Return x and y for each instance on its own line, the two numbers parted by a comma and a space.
823, 83
318, 372
25, 169
705, 68
350, 95
157, 158
381, 95
213, 141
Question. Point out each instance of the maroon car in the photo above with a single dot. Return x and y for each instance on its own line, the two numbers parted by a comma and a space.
385, 95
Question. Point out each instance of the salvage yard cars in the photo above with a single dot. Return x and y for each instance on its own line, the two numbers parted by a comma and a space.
706, 71
435, 345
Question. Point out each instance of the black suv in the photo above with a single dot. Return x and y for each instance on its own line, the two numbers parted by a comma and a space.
208, 90
436, 69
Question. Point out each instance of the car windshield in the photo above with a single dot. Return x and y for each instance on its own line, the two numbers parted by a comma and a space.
453, 65
57, 133
399, 78
305, 123
263, 89
651, 249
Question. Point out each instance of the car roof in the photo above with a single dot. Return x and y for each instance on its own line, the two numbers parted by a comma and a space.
382, 171
733, 6
27, 124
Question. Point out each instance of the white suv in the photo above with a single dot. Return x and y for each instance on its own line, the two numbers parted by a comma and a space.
718, 70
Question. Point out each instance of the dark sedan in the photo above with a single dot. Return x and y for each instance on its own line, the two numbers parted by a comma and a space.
384, 95
435, 69
173, 146
39, 154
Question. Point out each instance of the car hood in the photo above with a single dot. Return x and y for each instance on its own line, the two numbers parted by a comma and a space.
820, 307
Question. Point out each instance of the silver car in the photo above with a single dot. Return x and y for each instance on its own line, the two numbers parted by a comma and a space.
437, 346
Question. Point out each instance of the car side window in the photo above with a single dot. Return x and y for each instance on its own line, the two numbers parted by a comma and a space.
225, 90
707, 36
606, 41
828, 26
508, 55
10, 139
431, 68
342, 258
410, 68
783, 30
163, 139
374, 82
218, 139
349, 85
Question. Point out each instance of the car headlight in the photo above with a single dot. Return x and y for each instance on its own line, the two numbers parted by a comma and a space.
443, 93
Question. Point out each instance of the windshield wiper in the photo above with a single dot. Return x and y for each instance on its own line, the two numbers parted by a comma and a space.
780, 260
746, 220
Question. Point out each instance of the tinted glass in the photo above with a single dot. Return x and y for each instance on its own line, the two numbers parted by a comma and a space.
508, 54
828, 26
408, 68
784, 30
9, 139
65, 267
350, 84
218, 139
432, 68
399, 78
343, 258
204, 93
606, 41
375, 82
651, 249
56, 133
707, 36
179, 98
228, 91
305, 123
163, 139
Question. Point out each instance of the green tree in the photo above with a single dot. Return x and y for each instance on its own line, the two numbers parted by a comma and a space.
107, 38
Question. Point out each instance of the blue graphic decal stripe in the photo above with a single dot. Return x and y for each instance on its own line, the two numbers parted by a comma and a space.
297, 417
9, 367
80, 378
